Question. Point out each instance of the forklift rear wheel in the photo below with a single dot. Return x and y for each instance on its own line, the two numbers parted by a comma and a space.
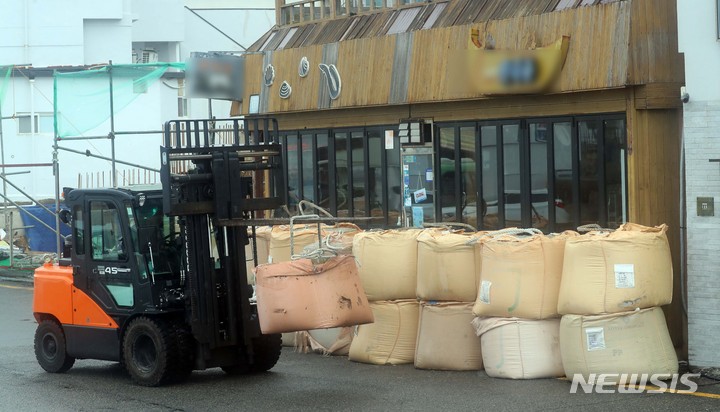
148, 351
267, 350
50, 347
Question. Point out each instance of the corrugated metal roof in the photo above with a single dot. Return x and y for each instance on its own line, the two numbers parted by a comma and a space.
422, 16
403, 20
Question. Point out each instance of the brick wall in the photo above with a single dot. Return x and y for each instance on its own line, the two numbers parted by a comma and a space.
702, 143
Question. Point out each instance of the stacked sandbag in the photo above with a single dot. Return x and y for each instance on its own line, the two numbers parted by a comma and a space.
519, 281
303, 295
520, 274
387, 263
616, 272
612, 286
446, 266
515, 348
447, 284
391, 339
634, 342
446, 339
262, 246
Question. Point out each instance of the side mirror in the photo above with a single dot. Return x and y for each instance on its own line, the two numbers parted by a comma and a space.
65, 216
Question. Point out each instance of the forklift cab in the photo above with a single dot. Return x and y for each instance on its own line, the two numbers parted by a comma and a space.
125, 252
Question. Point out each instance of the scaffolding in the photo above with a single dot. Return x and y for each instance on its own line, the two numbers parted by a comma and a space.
82, 101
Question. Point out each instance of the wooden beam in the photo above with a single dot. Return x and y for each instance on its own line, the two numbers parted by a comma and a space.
278, 12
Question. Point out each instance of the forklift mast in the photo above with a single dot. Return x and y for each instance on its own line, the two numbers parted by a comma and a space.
216, 175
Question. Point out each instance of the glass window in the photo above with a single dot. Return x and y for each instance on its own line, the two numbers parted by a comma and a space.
446, 183
489, 153
511, 169
563, 175
375, 173
308, 168
323, 171
79, 225
615, 172
106, 232
359, 191
539, 203
589, 133
468, 183
24, 124
293, 172
342, 173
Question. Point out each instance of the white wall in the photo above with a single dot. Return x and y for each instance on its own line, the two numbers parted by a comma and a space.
50, 32
697, 25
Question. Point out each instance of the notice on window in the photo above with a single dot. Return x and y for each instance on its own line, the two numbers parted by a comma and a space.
625, 276
429, 175
420, 195
389, 140
595, 339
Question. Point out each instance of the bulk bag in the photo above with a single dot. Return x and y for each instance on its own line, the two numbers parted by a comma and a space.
520, 276
446, 267
333, 341
635, 342
387, 263
262, 245
393, 336
303, 235
302, 295
616, 272
515, 348
446, 338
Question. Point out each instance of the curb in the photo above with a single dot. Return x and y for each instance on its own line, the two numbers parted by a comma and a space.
27, 281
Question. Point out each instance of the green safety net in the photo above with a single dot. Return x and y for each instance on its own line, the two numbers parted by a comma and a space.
5, 72
82, 99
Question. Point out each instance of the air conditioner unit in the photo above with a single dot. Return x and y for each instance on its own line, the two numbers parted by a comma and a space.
148, 56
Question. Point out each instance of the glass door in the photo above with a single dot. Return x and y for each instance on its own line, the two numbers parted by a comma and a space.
418, 185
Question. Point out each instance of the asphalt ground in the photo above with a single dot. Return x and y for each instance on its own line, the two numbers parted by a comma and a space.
298, 382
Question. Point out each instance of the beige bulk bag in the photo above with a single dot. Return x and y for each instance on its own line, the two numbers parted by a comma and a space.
302, 295
339, 238
520, 349
635, 342
393, 336
387, 263
446, 339
446, 267
262, 244
616, 272
520, 276
303, 235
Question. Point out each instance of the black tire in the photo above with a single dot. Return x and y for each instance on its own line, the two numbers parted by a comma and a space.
50, 347
156, 352
185, 359
267, 349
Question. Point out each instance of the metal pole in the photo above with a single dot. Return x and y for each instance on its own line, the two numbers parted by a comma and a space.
12, 239
2, 159
89, 154
112, 126
56, 168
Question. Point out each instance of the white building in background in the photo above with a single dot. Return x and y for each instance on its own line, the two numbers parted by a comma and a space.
75, 34
699, 40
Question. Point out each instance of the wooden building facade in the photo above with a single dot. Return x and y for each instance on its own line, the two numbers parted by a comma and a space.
600, 144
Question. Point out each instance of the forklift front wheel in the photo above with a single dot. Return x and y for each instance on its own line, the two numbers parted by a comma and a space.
50, 347
146, 350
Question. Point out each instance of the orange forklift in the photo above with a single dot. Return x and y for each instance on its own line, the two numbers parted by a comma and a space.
155, 277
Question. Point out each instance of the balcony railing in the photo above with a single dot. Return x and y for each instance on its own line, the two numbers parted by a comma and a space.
305, 11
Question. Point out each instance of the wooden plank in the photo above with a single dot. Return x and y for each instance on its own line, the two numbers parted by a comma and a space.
658, 96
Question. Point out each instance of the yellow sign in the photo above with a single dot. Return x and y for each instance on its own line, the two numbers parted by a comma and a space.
498, 72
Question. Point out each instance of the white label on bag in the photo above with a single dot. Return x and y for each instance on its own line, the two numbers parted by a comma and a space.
485, 291
625, 276
595, 338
